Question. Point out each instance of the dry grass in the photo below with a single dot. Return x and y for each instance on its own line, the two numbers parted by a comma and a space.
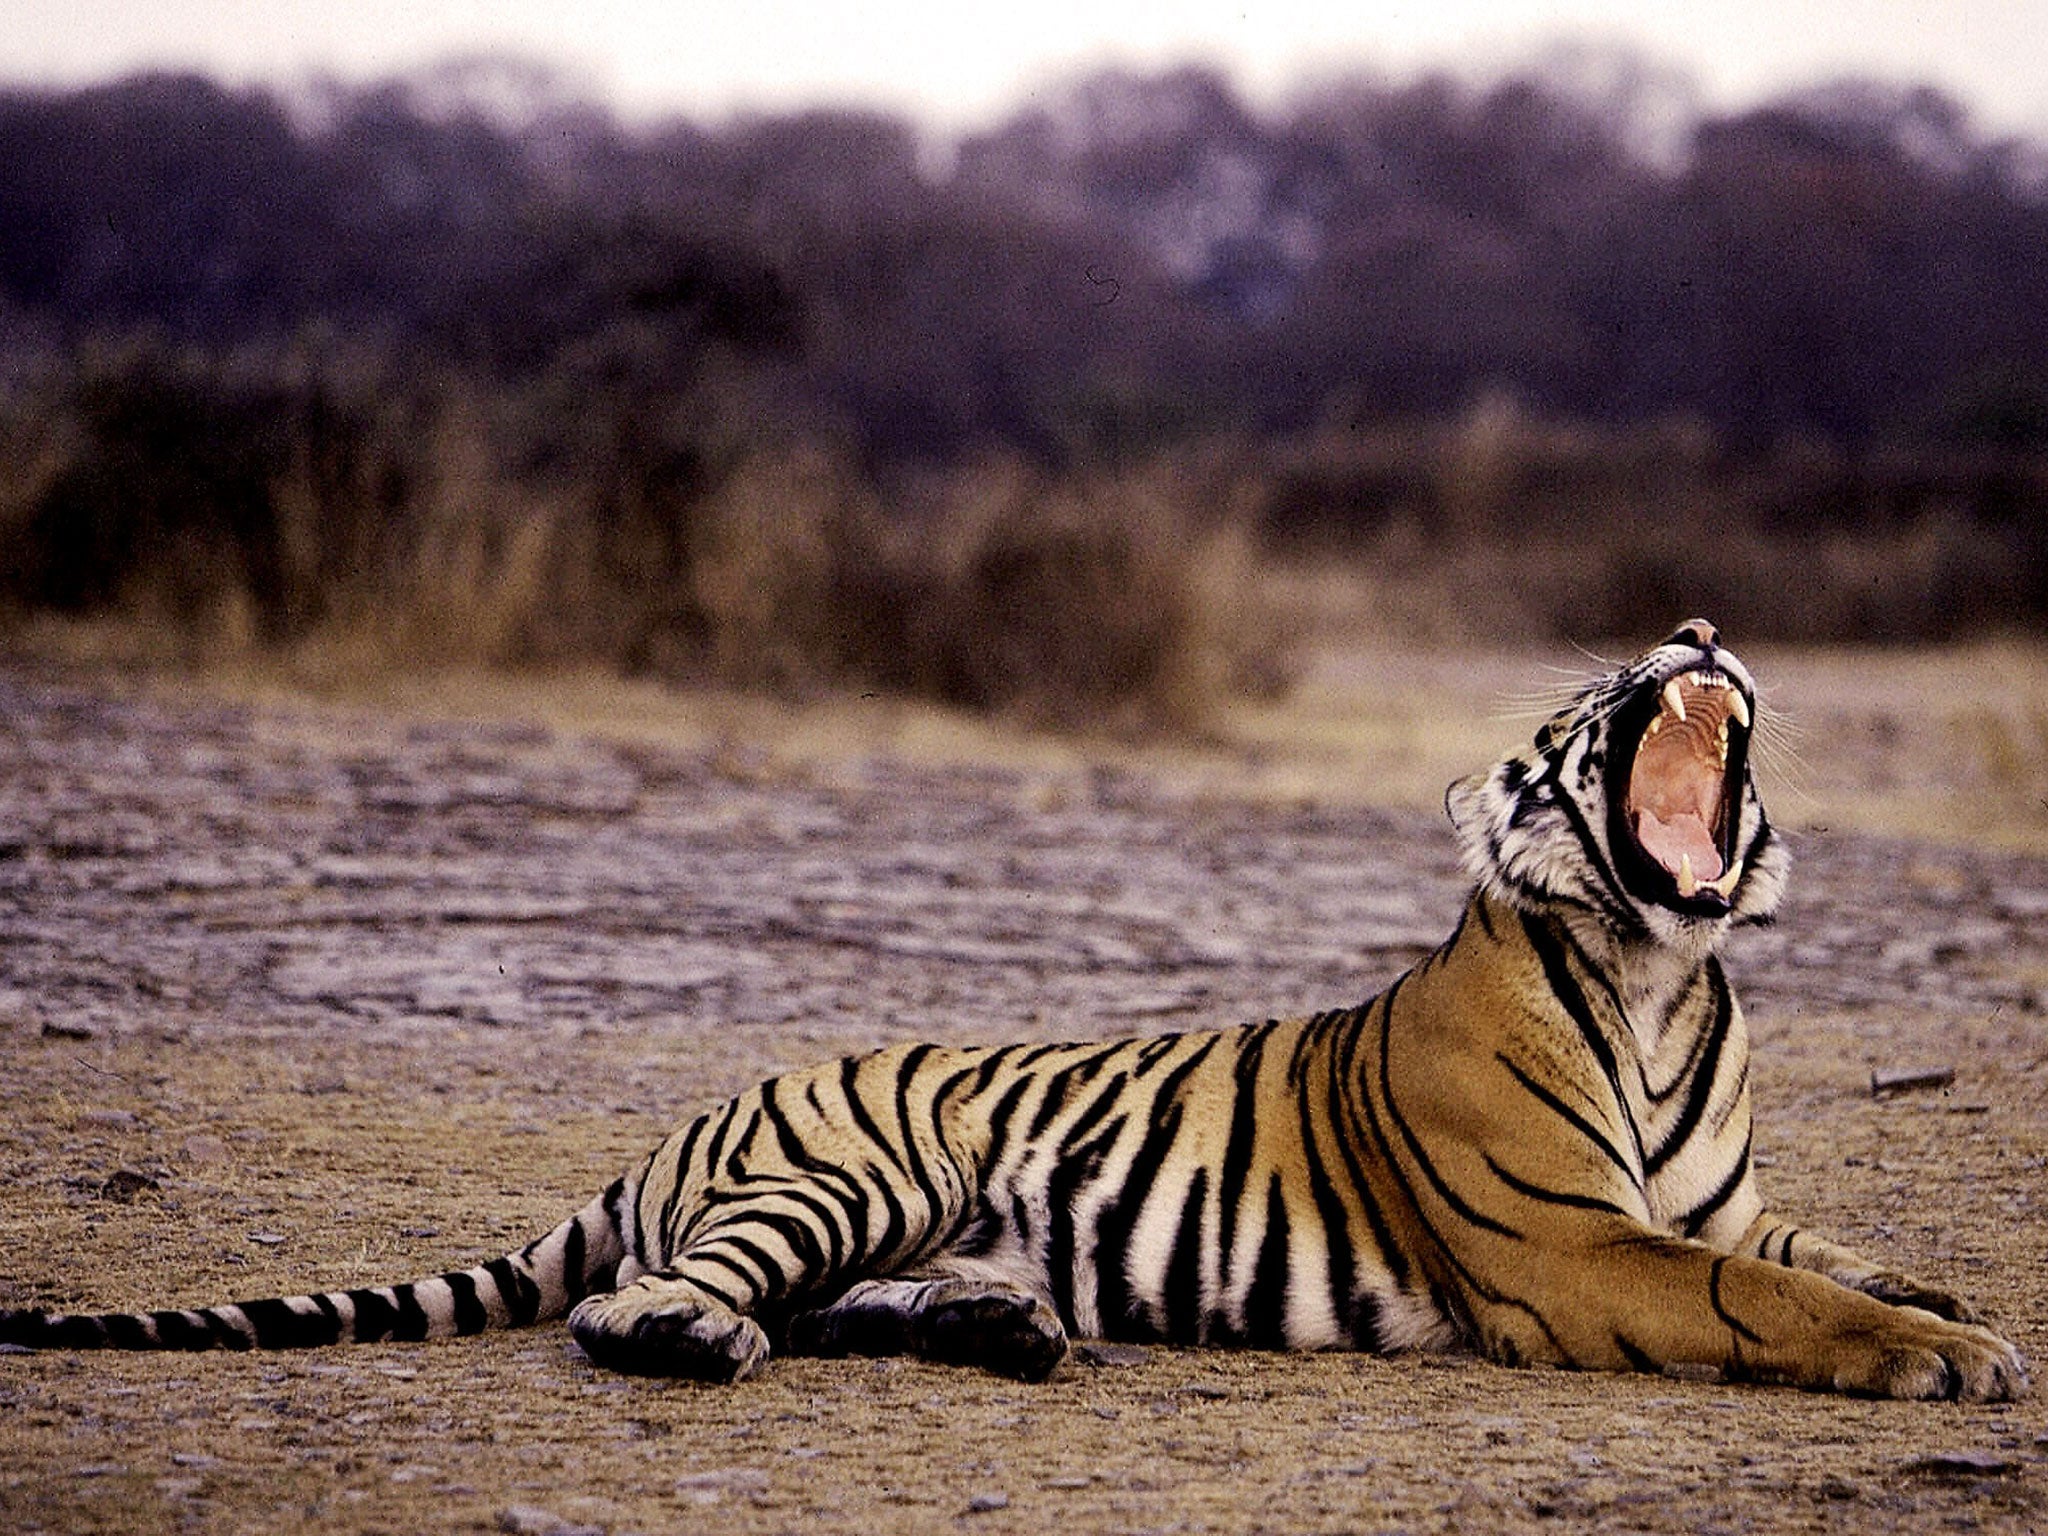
1505, 527
336, 524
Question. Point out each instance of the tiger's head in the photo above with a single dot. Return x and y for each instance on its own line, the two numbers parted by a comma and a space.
1635, 803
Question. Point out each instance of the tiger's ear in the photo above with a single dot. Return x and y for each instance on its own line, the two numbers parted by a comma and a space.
1474, 804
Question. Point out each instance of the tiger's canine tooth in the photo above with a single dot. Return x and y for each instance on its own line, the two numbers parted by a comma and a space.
1738, 706
1673, 702
1688, 882
1725, 886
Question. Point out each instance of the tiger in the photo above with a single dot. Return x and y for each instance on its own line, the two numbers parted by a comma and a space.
1535, 1145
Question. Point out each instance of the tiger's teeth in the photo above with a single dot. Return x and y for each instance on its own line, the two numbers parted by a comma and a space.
1673, 702
1688, 882
1738, 706
1725, 886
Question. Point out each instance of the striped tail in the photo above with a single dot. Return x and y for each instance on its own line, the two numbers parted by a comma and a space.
540, 1281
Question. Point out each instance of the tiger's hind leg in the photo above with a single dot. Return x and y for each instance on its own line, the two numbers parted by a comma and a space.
667, 1325
991, 1324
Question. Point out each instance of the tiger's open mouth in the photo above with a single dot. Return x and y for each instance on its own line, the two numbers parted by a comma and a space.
1680, 760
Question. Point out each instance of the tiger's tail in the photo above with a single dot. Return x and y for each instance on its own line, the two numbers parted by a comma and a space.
530, 1285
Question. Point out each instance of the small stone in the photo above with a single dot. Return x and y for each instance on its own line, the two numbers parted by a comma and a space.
531, 1520
108, 1119
1111, 1355
987, 1503
732, 1479
55, 1031
124, 1184
267, 1239
721, 1483
1692, 1370
1884, 1082
203, 1149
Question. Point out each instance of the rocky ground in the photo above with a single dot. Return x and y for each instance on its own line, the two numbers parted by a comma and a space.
297, 995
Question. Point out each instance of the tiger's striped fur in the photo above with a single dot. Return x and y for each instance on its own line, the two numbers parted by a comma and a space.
1537, 1142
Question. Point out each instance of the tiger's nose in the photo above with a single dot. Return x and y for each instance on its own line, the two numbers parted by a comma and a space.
1696, 632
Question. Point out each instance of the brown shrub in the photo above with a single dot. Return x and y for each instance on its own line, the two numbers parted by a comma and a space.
1115, 600
362, 520
1506, 527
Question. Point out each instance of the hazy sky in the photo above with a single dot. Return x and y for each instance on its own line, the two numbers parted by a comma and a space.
965, 62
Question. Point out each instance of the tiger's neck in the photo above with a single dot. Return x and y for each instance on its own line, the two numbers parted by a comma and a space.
1648, 978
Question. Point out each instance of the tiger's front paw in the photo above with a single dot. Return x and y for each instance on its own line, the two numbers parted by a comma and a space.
1923, 1356
1897, 1290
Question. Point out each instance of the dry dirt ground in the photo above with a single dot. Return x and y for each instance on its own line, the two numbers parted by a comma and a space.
299, 993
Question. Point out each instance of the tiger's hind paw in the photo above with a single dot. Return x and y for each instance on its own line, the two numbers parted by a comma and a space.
646, 1329
1009, 1332
949, 1321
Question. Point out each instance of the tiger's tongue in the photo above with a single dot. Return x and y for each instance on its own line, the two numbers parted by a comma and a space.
1675, 794
1669, 842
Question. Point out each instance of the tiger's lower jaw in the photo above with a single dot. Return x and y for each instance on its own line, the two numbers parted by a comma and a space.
1690, 885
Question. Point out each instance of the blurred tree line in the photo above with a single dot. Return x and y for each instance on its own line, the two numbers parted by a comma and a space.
1141, 257
286, 325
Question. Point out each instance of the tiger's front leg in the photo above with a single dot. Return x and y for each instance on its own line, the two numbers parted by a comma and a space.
1626, 1297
